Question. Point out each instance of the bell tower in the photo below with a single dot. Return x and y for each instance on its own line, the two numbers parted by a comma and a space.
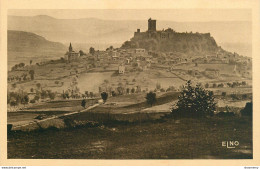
70, 48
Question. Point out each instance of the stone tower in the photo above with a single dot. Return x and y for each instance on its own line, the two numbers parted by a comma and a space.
70, 48
151, 25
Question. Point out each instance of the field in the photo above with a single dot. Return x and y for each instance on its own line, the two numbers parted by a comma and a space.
126, 127
168, 139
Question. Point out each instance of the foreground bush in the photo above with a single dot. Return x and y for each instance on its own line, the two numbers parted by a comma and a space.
195, 102
248, 110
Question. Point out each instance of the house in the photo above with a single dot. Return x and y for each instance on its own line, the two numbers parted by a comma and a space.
139, 52
121, 69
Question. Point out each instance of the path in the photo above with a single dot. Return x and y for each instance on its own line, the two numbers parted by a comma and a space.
54, 117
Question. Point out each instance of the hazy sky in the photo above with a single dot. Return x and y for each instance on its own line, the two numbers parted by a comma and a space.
179, 15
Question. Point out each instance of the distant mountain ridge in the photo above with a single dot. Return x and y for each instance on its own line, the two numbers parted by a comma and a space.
92, 30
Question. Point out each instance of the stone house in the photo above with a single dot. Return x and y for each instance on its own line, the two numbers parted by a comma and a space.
121, 69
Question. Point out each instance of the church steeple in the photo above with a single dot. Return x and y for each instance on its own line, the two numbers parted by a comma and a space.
70, 48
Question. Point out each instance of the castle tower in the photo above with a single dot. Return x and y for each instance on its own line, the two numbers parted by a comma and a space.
151, 25
70, 48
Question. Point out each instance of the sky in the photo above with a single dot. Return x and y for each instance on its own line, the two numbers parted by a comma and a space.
178, 15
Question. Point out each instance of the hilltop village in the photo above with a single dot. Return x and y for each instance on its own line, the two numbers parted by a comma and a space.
161, 95
157, 60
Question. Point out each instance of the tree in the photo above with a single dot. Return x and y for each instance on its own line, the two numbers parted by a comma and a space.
51, 95
31, 72
86, 93
36, 98
162, 90
91, 50
91, 94
120, 90
44, 94
104, 96
158, 86
128, 91
195, 102
13, 102
138, 89
81, 53
151, 98
14, 85
224, 94
221, 85
243, 83
83, 103
206, 85
25, 100
248, 110
38, 85
113, 93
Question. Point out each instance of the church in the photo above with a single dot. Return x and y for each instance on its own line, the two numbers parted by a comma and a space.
71, 54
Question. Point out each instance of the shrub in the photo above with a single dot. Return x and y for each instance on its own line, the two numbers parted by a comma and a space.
195, 102
226, 114
151, 98
221, 85
224, 94
171, 88
162, 90
206, 85
32, 101
234, 97
104, 96
51, 95
243, 83
244, 96
25, 99
248, 110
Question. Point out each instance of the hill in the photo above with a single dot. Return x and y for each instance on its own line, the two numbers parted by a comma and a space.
23, 46
171, 41
98, 31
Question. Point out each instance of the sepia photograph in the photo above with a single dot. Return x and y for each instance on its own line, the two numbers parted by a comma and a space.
129, 84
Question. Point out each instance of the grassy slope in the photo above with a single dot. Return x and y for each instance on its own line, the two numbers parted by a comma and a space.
189, 139
23, 46
137, 103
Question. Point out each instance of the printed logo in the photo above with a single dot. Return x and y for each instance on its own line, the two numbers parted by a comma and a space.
230, 144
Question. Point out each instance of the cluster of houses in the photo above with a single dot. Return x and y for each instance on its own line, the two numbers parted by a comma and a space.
139, 58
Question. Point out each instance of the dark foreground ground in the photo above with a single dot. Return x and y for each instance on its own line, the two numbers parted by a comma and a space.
170, 139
